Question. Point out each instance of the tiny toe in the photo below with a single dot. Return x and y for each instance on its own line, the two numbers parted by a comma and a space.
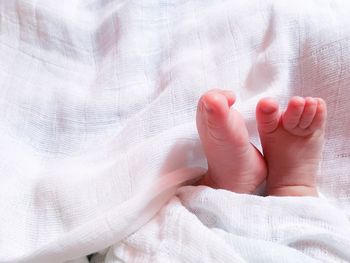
308, 113
213, 102
319, 120
217, 101
215, 112
291, 117
230, 96
267, 115
212, 119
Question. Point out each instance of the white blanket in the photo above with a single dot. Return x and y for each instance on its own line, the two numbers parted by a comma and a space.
97, 131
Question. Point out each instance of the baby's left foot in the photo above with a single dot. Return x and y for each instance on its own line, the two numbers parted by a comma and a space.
292, 144
233, 163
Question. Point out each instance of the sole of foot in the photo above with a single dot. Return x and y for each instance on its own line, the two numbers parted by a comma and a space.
292, 144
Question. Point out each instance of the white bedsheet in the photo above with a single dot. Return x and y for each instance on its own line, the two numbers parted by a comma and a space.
97, 132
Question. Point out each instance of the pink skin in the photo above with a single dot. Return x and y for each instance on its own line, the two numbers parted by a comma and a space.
292, 144
233, 163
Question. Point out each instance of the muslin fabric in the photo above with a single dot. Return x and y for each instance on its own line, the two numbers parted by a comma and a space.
98, 143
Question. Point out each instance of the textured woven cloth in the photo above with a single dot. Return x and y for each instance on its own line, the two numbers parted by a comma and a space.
98, 142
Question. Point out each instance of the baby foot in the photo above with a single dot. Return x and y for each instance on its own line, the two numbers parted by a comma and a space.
233, 163
292, 144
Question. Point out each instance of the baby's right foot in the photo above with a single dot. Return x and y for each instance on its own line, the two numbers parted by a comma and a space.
292, 144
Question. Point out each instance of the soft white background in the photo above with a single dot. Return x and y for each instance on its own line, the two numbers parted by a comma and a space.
97, 107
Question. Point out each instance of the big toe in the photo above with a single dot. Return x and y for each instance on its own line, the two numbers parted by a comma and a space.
214, 112
216, 102
267, 115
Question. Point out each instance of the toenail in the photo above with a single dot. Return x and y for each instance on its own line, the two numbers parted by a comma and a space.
268, 109
311, 100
